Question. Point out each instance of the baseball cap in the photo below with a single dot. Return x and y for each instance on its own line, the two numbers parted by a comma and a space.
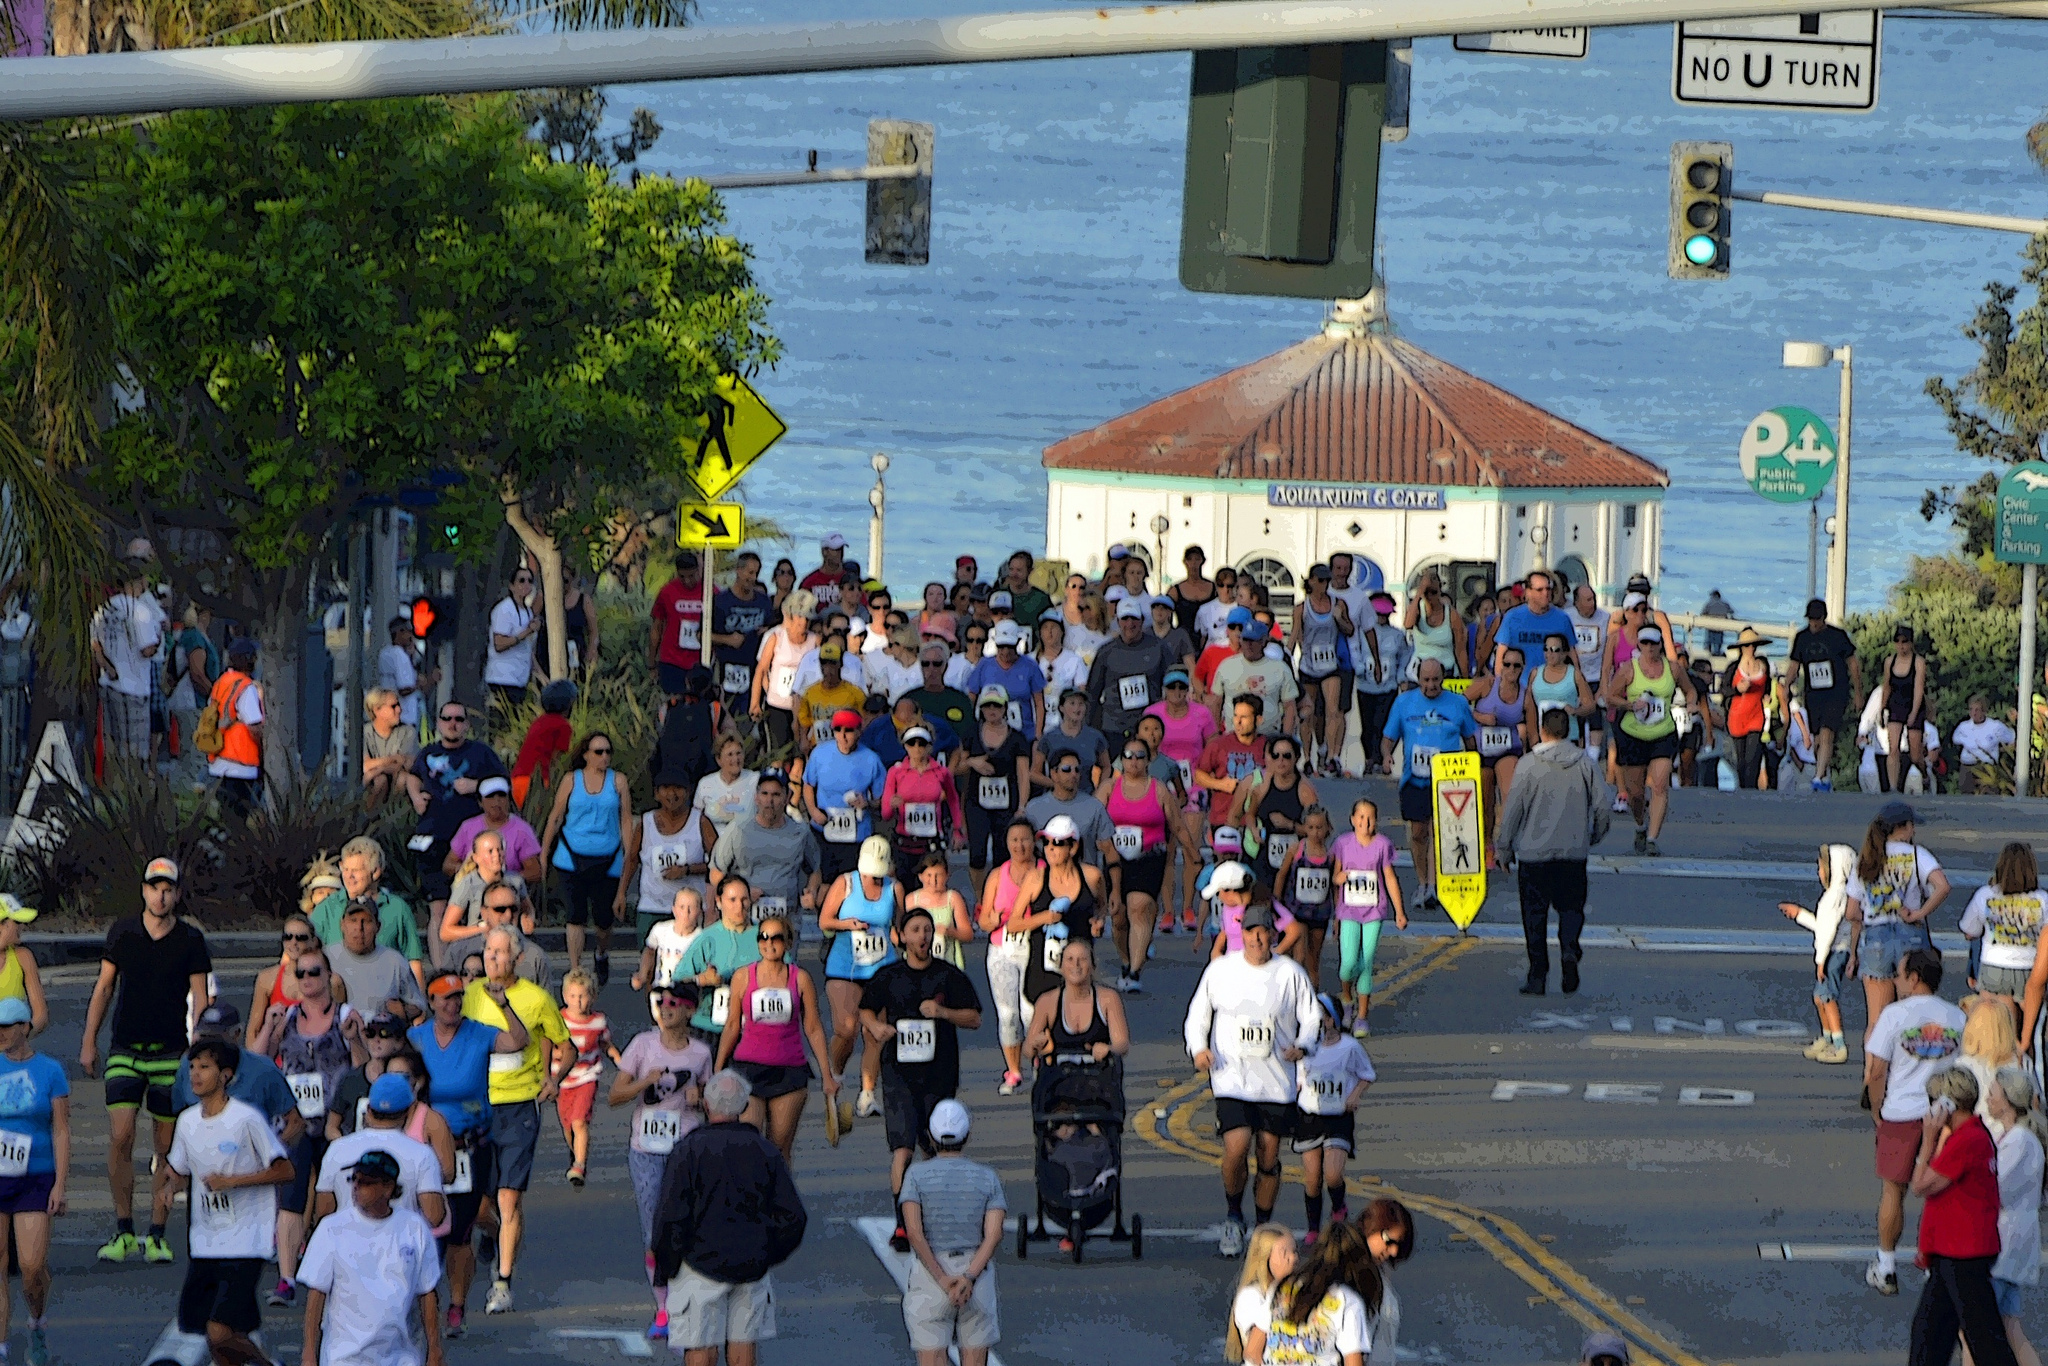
1635, 600
1649, 635
876, 857
1007, 633
950, 1122
1902, 632
831, 652
993, 694
967, 560
917, 733
1061, 828
873, 586
1227, 840
1129, 608
845, 716
1174, 676
14, 1010
361, 905
1603, 1345
241, 648
1257, 630
447, 984
376, 1164
1897, 813
833, 542
941, 625
1238, 616
999, 598
1119, 552
978, 593
1319, 571
1230, 876
12, 909
1256, 916
219, 1020
1116, 593
1383, 603
160, 870
1817, 609
1161, 600
390, 1094
494, 787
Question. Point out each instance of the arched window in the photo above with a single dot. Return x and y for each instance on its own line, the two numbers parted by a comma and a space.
1278, 581
1573, 571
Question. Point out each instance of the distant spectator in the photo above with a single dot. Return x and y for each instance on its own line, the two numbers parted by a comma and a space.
547, 738
195, 663
398, 668
388, 745
238, 700
1718, 608
1979, 741
508, 661
126, 634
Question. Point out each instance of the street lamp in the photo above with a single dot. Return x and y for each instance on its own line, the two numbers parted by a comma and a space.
1161, 524
1814, 356
880, 464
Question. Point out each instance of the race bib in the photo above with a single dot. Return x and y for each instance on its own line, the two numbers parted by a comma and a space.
1820, 674
785, 679
1134, 692
1016, 715
419, 844
1187, 774
218, 1205
14, 1149
1362, 887
770, 1005
1418, 761
842, 825
1587, 638
1495, 741
687, 633
658, 1130
1255, 1037
1322, 658
769, 905
993, 794
1655, 713
1312, 886
362, 1111
738, 677
1277, 846
465, 1176
1049, 956
821, 729
917, 1040
500, 1062
1128, 841
869, 948
1328, 1094
721, 1006
309, 1093
921, 820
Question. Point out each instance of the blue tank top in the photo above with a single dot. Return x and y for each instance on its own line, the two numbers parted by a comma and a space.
591, 825
1551, 696
1319, 642
858, 955
460, 1073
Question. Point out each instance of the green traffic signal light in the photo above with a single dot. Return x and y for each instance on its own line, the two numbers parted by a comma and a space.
1700, 249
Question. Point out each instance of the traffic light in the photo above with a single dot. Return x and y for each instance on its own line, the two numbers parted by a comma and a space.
433, 619
1283, 170
1702, 181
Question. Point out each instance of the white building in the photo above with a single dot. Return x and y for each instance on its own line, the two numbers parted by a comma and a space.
1356, 441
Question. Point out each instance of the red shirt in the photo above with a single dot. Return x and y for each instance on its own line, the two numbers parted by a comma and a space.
679, 612
1962, 1221
822, 583
548, 736
1206, 665
1226, 756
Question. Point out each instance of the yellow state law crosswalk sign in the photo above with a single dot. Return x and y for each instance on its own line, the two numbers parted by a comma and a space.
735, 429
1460, 839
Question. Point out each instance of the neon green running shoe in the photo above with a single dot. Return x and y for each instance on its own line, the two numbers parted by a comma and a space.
120, 1247
155, 1249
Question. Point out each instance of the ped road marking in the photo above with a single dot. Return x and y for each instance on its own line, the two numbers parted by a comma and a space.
1622, 1093
877, 1230
1827, 1252
629, 1344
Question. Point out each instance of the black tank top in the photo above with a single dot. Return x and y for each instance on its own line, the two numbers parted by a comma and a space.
1284, 800
1184, 609
1038, 978
1064, 1040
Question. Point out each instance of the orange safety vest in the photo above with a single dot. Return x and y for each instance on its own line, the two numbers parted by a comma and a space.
238, 742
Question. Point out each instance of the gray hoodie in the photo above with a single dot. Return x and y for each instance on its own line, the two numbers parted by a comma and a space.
1557, 808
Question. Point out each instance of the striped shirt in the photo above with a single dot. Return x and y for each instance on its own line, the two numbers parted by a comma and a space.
591, 1037
953, 1195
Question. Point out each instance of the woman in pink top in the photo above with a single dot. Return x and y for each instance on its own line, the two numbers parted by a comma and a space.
1147, 820
1366, 890
764, 1038
1189, 729
919, 798
1002, 917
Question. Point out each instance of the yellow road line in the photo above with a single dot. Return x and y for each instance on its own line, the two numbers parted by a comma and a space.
1553, 1278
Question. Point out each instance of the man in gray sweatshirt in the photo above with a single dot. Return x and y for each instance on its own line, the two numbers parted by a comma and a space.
1128, 674
1555, 812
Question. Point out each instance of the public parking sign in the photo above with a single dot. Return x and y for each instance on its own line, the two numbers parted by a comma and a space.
1822, 62
2023, 514
1788, 455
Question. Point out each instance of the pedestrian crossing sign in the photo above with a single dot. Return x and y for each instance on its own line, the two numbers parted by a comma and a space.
735, 428
1459, 835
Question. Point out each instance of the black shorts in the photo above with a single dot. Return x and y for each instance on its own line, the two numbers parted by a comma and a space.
435, 885
1347, 687
1260, 1116
986, 831
1145, 874
1313, 917
907, 1113
770, 1081
1416, 805
305, 1155
587, 897
1825, 713
463, 1207
1631, 752
140, 1075
835, 860
515, 1133
220, 1290
1325, 1131
675, 678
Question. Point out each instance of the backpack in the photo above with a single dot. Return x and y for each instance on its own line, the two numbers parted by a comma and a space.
208, 736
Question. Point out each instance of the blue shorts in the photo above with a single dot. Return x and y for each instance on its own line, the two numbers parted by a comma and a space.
1827, 988
674, 678
1885, 944
2010, 1294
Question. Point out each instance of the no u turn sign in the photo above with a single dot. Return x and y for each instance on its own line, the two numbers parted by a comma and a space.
1821, 62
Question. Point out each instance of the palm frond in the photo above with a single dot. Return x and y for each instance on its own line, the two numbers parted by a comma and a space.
597, 14
323, 21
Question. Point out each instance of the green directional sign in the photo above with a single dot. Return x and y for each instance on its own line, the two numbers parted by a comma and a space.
1788, 455
2023, 514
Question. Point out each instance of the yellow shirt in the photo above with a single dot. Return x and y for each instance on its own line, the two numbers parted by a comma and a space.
518, 1076
816, 706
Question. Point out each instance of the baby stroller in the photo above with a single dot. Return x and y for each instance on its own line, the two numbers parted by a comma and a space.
1077, 1126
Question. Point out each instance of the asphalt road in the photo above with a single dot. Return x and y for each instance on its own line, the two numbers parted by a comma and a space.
1540, 1215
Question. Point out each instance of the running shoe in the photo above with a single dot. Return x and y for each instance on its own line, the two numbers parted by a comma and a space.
1883, 1282
1011, 1081
120, 1247
1828, 785
499, 1300
1360, 1029
156, 1249
1642, 839
454, 1329
1133, 987
576, 1175
1309, 1239
604, 969
283, 1293
657, 1331
1066, 1245
1191, 922
1231, 1242
1620, 804
1123, 981
1833, 1053
832, 1120
1815, 1049
1571, 976
38, 1348
1166, 924
1151, 949
867, 1107
1650, 848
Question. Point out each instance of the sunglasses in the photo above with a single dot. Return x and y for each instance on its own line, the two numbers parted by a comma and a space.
505, 907
453, 720
594, 749
1138, 755
448, 996
382, 1032
522, 578
846, 730
771, 938
1553, 649
291, 937
303, 973
916, 744
1062, 844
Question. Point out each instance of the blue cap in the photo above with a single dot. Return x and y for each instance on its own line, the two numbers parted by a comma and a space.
1174, 676
390, 1094
14, 1011
1257, 630
1239, 616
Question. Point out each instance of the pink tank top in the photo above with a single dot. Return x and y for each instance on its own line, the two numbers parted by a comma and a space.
1142, 811
416, 1130
1006, 899
771, 1021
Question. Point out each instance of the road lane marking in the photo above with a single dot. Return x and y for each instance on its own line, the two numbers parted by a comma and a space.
629, 1344
877, 1230
1518, 1090
1715, 1095
1623, 1092
1643, 1043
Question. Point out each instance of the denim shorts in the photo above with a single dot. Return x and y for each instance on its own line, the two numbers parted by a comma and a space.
2010, 1294
1885, 944
1827, 988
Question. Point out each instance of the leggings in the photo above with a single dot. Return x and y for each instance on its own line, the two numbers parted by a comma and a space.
1357, 943
1006, 984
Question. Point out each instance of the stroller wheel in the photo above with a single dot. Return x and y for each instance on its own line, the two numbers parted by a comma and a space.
1137, 1237
1078, 1235
1023, 1238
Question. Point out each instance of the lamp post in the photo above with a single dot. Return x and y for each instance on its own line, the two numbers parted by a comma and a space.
1161, 524
876, 499
1815, 356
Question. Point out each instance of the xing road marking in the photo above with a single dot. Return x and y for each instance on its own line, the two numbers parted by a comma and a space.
629, 1344
1552, 1278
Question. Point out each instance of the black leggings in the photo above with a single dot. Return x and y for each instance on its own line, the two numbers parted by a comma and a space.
1959, 1298
985, 831
1749, 758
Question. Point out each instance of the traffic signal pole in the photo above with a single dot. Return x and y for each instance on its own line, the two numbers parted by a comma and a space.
1955, 218
259, 74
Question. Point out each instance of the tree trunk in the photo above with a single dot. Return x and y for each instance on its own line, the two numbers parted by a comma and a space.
549, 556
280, 638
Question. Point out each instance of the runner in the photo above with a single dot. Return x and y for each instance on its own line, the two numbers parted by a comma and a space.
1302, 883
1321, 633
1834, 948
661, 1075
1329, 1083
913, 1010
676, 635
1500, 702
151, 966
386, 1109
1268, 805
1128, 674
35, 1166
948, 909
776, 856
1589, 647
1071, 736
1897, 886
1823, 659
666, 943
1251, 1017
1323, 1312
1231, 758
1524, 627
1145, 820
1067, 898
19, 978
1557, 685
1193, 592
739, 615
1022, 682
588, 827
764, 1038
1253, 672
517, 1091
445, 784
1235, 886
860, 913
833, 692
460, 1054
1077, 1018
719, 950
1434, 628
1064, 671
843, 783
668, 845
376, 977
362, 879
366, 1269
922, 805
773, 703
1642, 691
462, 926
1186, 731
225, 1152
276, 985
1369, 889
992, 771
728, 794
348, 1103
1004, 916
591, 1035
1909, 1041
1381, 654
824, 580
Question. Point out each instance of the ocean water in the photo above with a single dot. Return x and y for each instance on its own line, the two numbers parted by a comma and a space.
1523, 226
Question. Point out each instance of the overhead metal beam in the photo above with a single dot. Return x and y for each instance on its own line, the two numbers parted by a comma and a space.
1955, 218
143, 82
757, 180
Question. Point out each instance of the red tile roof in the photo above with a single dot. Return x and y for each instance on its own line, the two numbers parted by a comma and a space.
1363, 410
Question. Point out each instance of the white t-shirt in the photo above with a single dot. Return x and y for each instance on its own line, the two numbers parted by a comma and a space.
1917, 1036
1979, 742
725, 802
1067, 671
249, 711
395, 671
418, 1168
2011, 925
372, 1272
236, 1142
1253, 1308
659, 852
1902, 885
808, 672
1210, 621
1325, 1077
125, 627
889, 676
957, 669
1336, 1329
669, 945
514, 667
2019, 1207
1247, 1016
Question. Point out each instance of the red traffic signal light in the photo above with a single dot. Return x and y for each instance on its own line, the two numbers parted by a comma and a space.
425, 617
